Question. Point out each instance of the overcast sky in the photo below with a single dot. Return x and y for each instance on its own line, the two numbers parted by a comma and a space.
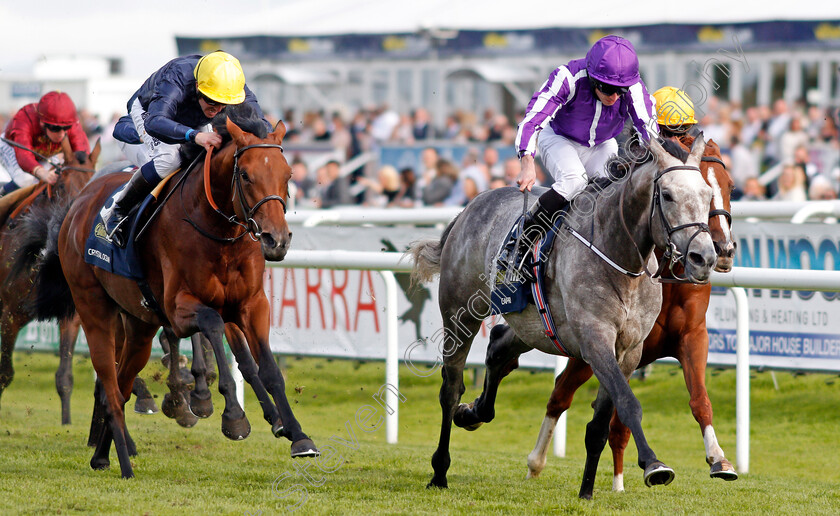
143, 32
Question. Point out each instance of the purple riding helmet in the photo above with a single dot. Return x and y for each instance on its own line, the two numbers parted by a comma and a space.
612, 60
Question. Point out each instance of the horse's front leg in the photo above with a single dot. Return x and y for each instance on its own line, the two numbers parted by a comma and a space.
601, 357
502, 357
248, 367
576, 373
255, 326
694, 351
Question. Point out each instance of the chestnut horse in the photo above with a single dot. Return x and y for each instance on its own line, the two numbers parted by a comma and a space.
680, 332
73, 174
204, 267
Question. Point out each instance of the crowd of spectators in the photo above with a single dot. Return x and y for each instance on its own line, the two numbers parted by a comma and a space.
779, 152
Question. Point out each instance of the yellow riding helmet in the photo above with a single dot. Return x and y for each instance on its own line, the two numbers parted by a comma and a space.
674, 107
219, 76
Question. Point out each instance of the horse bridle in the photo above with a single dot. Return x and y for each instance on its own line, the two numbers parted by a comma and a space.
250, 225
672, 256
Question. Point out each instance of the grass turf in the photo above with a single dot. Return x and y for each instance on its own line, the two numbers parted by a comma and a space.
44, 466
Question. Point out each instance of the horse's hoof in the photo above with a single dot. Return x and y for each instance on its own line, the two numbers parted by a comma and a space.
723, 469
100, 463
176, 407
145, 406
304, 448
658, 474
202, 408
236, 429
437, 483
465, 417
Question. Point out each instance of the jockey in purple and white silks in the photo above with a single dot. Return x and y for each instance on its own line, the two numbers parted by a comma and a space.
573, 120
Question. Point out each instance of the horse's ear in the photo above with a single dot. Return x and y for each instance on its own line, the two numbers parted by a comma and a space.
94, 154
69, 157
236, 133
697, 148
279, 131
658, 151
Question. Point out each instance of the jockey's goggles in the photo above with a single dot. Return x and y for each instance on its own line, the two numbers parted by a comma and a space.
609, 89
57, 128
210, 102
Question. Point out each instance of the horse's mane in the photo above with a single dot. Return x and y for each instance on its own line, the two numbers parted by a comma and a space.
245, 116
635, 154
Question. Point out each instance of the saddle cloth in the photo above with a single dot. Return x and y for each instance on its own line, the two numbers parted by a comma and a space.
100, 252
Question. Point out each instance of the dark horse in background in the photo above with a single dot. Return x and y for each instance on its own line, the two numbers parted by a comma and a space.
603, 311
204, 263
36, 200
680, 332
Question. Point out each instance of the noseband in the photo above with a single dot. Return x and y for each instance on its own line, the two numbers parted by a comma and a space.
672, 255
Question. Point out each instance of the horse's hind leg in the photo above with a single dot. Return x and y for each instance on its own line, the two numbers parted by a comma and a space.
458, 337
179, 381
502, 357
576, 373
68, 331
201, 403
144, 403
694, 352
596, 438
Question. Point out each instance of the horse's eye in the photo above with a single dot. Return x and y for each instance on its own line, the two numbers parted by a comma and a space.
245, 176
667, 197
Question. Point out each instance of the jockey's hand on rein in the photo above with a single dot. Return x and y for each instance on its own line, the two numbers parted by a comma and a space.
208, 140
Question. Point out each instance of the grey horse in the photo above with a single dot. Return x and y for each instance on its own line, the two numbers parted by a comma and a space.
602, 304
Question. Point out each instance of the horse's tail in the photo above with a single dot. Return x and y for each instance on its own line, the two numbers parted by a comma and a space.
39, 249
426, 254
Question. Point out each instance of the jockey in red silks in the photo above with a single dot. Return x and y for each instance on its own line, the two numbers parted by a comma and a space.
577, 114
40, 127
174, 106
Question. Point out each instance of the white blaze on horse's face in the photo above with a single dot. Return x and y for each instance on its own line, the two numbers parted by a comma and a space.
726, 248
685, 199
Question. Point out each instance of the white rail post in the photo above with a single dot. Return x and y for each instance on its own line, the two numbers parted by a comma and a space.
560, 428
238, 381
392, 359
742, 379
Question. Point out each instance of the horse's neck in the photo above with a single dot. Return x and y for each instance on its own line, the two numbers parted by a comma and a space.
198, 205
623, 219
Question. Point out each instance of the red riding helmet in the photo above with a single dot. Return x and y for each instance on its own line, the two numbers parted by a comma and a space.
56, 108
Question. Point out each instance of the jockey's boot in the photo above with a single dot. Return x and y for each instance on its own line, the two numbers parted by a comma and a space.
115, 214
538, 220
9, 187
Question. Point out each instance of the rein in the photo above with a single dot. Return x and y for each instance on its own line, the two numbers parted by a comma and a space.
251, 227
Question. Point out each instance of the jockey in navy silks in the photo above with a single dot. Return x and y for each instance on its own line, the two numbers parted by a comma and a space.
577, 114
174, 106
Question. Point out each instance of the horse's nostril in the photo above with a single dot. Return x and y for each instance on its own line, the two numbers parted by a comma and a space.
696, 259
717, 248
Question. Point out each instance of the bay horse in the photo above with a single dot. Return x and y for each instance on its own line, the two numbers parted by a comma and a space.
602, 314
206, 277
73, 174
680, 332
